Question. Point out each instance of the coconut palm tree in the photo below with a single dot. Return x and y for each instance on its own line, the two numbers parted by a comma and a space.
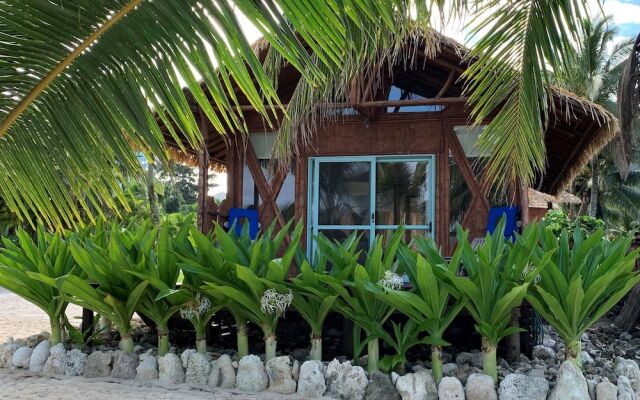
618, 197
629, 91
83, 85
595, 74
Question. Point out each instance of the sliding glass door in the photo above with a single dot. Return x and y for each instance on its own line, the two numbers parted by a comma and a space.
371, 195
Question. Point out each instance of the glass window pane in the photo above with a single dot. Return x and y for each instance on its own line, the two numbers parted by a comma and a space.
401, 193
286, 197
409, 234
344, 193
250, 196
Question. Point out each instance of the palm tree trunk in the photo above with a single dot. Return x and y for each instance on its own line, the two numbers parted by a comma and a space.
595, 187
153, 203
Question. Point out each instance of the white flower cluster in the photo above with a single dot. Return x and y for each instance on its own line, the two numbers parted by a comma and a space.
201, 305
391, 281
528, 269
273, 303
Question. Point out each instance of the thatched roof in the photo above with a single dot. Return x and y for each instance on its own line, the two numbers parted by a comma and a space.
605, 127
577, 130
538, 199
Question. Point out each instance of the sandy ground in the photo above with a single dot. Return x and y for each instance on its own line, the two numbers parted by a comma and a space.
20, 319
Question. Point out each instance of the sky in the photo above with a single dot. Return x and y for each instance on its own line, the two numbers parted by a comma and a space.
626, 15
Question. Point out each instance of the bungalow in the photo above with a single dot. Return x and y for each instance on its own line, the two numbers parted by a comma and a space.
401, 152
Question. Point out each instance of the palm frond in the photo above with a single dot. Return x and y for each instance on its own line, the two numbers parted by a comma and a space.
84, 83
510, 75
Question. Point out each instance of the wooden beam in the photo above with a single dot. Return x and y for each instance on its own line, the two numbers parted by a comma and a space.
261, 183
235, 166
444, 177
439, 61
447, 84
372, 103
203, 176
465, 167
275, 187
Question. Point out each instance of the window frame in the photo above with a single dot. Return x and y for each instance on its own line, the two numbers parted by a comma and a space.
313, 193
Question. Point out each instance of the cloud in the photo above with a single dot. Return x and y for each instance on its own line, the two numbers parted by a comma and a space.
624, 12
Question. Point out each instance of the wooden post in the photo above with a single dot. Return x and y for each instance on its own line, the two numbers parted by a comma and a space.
204, 225
87, 324
520, 196
523, 203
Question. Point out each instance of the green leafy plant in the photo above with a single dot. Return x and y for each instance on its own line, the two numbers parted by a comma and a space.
557, 221
110, 289
357, 303
498, 273
587, 224
428, 304
160, 269
29, 269
257, 285
87, 336
585, 277
313, 298
202, 260
404, 338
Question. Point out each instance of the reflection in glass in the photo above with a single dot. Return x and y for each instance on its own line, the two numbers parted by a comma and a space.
344, 193
409, 234
401, 193
250, 196
287, 196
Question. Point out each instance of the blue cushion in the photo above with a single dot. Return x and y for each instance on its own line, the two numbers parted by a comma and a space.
511, 215
240, 216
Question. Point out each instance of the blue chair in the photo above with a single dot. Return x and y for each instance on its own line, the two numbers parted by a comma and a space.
511, 225
240, 216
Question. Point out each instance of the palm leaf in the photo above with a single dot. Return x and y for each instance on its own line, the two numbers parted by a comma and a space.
83, 84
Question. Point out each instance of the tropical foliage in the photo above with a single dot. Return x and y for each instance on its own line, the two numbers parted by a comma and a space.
86, 85
162, 272
496, 277
609, 186
355, 302
29, 269
109, 286
428, 304
585, 277
557, 222
256, 284
572, 279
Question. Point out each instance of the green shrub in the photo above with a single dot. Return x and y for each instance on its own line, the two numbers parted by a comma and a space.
161, 270
255, 282
586, 275
29, 269
351, 282
427, 303
557, 221
498, 274
107, 261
